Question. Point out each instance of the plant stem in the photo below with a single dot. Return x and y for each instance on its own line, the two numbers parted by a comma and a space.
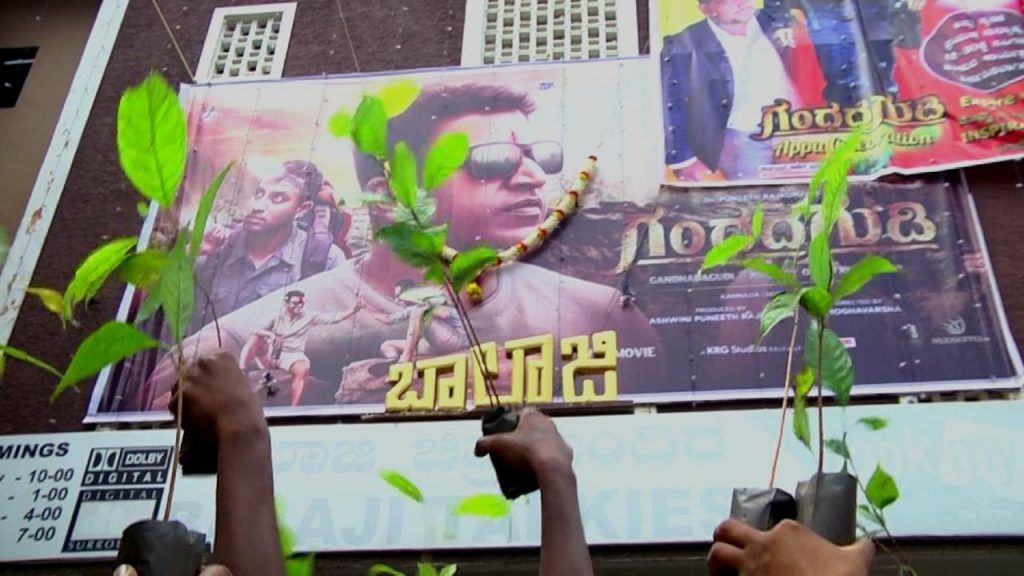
880, 514
821, 402
213, 311
467, 325
176, 453
785, 399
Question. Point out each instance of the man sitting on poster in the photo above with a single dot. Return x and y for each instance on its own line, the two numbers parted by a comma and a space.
716, 75
271, 250
495, 198
838, 30
281, 343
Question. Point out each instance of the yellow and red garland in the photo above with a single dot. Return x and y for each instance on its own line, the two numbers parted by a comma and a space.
565, 208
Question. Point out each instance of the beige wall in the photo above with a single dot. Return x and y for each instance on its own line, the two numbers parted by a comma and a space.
60, 29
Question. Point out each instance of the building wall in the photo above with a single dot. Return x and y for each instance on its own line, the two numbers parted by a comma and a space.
59, 28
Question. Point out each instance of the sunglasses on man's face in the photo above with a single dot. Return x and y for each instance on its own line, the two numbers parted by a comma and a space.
500, 160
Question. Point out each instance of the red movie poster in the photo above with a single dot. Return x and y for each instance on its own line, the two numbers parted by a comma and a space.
761, 91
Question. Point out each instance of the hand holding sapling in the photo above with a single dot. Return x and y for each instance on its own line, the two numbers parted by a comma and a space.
534, 447
218, 400
789, 549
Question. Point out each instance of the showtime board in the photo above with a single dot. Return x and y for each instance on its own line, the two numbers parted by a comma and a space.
612, 308
642, 478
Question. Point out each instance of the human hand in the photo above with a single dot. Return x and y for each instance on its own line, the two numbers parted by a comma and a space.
788, 549
534, 446
218, 400
695, 171
785, 38
214, 238
915, 5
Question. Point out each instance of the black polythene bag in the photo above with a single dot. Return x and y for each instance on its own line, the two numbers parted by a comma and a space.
827, 505
156, 548
762, 508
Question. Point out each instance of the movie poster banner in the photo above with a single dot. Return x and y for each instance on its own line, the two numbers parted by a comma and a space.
760, 90
325, 320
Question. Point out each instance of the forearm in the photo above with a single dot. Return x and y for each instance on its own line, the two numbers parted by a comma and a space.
247, 539
563, 545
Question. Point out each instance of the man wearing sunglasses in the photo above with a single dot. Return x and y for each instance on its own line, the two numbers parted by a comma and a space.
496, 198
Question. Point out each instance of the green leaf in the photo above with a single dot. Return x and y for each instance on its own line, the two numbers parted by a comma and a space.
403, 175
486, 505
820, 254
861, 273
340, 124
780, 307
869, 513
402, 484
149, 306
19, 354
378, 569
804, 380
836, 364
94, 270
417, 247
873, 422
144, 268
203, 213
444, 158
420, 214
774, 271
434, 273
838, 446
370, 127
425, 569
285, 533
757, 221
833, 169
881, 490
142, 207
449, 570
801, 423
816, 301
51, 299
398, 95
112, 342
726, 251
469, 264
177, 291
303, 565
152, 139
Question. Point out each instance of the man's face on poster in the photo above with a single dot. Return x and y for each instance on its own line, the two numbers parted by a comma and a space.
497, 197
728, 12
277, 202
294, 305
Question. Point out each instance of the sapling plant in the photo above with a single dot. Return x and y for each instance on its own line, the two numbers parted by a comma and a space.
827, 363
152, 144
412, 235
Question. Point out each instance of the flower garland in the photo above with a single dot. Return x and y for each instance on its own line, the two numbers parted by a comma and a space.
565, 208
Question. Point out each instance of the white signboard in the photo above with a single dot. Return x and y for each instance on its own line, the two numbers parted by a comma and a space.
642, 478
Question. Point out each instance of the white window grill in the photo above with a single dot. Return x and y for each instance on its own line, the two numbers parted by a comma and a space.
509, 31
246, 43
